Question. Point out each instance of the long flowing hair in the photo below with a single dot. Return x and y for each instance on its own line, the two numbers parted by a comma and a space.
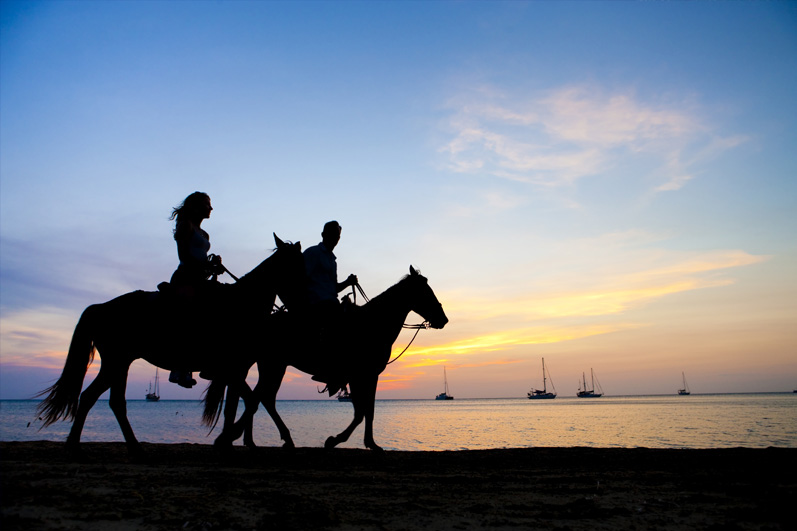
184, 214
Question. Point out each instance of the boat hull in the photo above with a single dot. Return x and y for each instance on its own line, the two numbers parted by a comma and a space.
588, 394
541, 396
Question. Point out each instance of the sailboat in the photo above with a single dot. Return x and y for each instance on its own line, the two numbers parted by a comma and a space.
685, 391
444, 395
344, 395
153, 395
535, 394
583, 392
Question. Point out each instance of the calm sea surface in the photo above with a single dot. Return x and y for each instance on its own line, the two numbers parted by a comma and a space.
697, 421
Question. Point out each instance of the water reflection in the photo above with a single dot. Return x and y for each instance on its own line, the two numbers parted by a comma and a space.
697, 421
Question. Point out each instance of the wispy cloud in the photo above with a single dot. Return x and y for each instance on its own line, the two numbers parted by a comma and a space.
555, 138
505, 339
571, 303
36, 337
606, 293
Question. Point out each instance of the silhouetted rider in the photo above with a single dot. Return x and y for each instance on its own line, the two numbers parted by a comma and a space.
323, 287
191, 279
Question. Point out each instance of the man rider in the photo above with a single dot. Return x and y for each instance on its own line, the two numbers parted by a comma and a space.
323, 288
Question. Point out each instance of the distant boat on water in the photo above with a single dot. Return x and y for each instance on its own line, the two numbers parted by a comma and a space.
685, 390
583, 392
444, 395
537, 394
343, 395
153, 394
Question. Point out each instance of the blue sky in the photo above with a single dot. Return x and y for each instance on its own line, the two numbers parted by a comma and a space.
605, 184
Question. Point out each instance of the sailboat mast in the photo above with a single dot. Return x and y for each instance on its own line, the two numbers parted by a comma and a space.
544, 388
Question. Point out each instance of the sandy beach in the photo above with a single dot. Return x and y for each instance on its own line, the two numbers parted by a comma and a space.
194, 487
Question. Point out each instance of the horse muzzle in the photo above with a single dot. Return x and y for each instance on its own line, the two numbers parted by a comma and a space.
438, 322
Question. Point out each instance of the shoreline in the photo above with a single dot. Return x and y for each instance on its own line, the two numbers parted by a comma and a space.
518, 397
193, 486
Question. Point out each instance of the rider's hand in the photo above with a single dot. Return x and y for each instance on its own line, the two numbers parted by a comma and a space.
215, 264
352, 280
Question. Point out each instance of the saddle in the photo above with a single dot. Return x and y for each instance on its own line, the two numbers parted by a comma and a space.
325, 336
196, 316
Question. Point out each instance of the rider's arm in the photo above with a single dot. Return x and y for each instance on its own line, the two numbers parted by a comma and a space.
351, 281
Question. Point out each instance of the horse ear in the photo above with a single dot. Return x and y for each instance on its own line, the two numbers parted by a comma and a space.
412, 271
279, 242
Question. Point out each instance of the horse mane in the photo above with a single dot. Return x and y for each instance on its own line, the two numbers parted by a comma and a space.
251, 273
395, 287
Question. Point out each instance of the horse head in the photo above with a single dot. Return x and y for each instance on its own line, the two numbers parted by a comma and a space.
292, 280
424, 302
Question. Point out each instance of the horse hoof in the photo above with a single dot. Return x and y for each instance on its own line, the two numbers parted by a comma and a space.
288, 445
330, 443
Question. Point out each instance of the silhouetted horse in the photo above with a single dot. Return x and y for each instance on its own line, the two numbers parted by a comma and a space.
222, 337
354, 354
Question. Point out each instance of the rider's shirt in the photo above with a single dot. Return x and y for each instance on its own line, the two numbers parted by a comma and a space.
322, 274
192, 249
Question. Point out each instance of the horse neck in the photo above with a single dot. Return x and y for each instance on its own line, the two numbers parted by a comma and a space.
261, 277
390, 308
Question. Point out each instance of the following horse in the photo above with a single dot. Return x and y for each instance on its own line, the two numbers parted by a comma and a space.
171, 333
355, 355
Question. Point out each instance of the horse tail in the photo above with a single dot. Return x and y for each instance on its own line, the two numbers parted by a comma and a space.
63, 395
214, 402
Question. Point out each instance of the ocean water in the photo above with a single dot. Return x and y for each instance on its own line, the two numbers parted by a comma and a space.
696, 421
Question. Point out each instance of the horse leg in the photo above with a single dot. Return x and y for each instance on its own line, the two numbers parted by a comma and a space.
369, 400
226, 438
119, 407
251, 404
267, 387
234, 429
266, 392
359, 414
87, 400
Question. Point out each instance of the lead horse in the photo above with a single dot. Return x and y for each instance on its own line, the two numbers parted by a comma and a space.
171, 333
355, 354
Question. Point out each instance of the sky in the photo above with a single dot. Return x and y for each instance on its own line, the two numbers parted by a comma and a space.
606, 185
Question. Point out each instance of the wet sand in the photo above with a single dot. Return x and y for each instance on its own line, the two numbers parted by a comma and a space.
193, 487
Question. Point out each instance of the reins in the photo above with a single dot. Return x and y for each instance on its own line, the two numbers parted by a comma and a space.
417, 327
211, 257
354, 289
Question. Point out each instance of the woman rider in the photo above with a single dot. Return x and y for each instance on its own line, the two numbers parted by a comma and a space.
191, 277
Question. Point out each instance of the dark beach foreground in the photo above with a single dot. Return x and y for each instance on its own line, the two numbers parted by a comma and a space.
193, 487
